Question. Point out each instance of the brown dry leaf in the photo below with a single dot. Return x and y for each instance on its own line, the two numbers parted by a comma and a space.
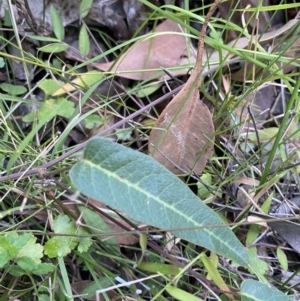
183, 133
163, 49
181, 136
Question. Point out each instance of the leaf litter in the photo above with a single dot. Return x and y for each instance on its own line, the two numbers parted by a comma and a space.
245, 142
162, 48
182, 137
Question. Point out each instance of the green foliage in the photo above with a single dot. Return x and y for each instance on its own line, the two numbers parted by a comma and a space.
57, 23
123, 135
84, 7
61, 106
60, 246
54, 48
2, 62
13, 90
282, 258
140, 187
92, 121
256, 291
49, 86
84, 40
21, 255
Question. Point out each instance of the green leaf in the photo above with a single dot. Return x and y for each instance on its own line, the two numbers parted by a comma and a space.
2, 62
123, 134
42, 38
203, 191
181, 295
20, 240
84, 242
91, 288
84, 80
61, 106
256, 265
13, 90
97, 224
49, 86
93, 120
30, 117
84, 7
84, 40
32, 249
54, 48
214, 273
252, 290
4, 257
146, 91
63, 225
27, 264
16, 271
282, 259
44, 268
156, 267
57, 23
43, 297
60, 246
137, 185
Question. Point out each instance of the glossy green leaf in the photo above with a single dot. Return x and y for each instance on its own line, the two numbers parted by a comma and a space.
57, 24
252, 290
139, 186
84, 40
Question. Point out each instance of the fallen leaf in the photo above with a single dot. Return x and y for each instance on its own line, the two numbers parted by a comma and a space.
182, 138
163, 49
